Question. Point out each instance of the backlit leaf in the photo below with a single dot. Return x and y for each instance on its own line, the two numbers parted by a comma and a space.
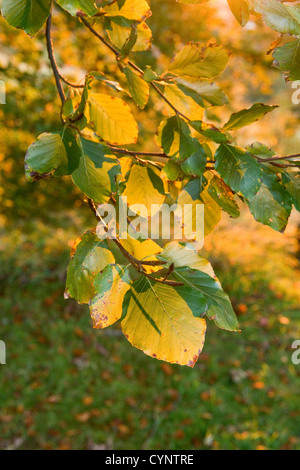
174, 137
29, 15
89, 257
73, 6
119, 35
111, 286
95, 175
280, 17
112, 119
194, 195
247, 116
144, 186
203, 92
137, 10
200, 62
184, 103
223, 196
159, 321
240, 9
138, 88
287, 59
181, 256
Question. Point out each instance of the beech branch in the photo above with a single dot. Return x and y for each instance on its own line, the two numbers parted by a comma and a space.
130, 63
53, 61
137, 264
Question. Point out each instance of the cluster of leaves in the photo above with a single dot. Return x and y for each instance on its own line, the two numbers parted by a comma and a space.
281, 17
161, 292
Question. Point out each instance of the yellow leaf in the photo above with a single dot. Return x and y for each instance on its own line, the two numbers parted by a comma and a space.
136, 10
112, 119
110, 288
143, 250
183, 256
160, 323
183, 103
144, 186
200, 62
119, 35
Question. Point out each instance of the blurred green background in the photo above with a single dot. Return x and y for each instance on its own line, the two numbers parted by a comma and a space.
67, 386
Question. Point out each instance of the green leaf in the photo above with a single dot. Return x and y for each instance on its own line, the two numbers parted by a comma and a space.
174, 137
240, 9
210, 132
272, 204
260, 150
223, 196
112, 119
195, 164
247, 116
287, 59
263, 152
292, 184
219, 307
46, 157
239, 170
95, 175
159, 321
172, 170
89, 257
29, 15
73, 6
200, 62
138, 88
144, 186
280, 17
149, 74
71, 141
111, 286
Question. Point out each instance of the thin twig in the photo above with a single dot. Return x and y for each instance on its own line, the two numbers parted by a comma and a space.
72, 85
277, 157
124, 251
101, 38
53, 61
137, 153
